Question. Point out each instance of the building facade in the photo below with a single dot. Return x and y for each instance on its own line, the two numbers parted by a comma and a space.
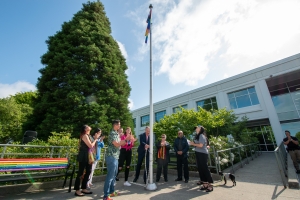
269, 96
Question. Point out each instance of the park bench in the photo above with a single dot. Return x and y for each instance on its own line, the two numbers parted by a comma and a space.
29, 169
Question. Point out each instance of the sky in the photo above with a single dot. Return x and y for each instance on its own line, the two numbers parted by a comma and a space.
195, 42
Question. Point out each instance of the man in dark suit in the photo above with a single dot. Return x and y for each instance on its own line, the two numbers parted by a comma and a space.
181, 148
143, 147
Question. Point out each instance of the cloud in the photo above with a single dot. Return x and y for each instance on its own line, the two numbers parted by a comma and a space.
11, 89
130, 105
130, 69
123, 50
190, 36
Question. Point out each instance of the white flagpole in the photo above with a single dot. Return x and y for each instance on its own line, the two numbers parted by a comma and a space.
151, 185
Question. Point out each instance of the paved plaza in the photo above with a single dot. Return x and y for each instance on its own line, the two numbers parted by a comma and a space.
259, 180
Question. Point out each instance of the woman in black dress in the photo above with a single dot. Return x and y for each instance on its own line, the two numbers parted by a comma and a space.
201, 151
84, 145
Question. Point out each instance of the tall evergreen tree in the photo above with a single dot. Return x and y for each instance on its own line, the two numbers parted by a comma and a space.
84, 80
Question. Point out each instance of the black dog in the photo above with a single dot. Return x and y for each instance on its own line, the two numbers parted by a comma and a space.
229, 176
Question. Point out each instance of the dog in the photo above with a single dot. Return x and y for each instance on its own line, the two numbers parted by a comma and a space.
228, 176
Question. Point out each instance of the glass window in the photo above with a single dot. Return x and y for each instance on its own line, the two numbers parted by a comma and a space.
208, 104
251, 90
215, 105
293, 83
176, 109
293, 127
283, 103
277, 87
134, 122
145, 120
241, 93
243, 101
254, 99
231, 95
243, 98
232, 103
279, 92
159, 115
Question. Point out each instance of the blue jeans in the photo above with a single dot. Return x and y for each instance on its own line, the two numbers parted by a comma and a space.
112, 169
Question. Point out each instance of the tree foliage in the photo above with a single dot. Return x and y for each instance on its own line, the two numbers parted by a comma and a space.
216, 122
297, 135
84, 80
14, 113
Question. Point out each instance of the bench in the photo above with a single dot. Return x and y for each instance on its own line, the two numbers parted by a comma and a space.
22, 169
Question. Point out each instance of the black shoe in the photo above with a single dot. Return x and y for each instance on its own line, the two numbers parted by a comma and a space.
186, 181
166, 180
117, 179
178, 179
86, 192
298, 171
145, 181
157, 180
134, 180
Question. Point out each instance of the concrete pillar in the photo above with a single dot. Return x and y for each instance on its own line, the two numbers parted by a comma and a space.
273, 117
221, 100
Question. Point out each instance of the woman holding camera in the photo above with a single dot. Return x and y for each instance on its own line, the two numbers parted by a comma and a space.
99, 145
200, 144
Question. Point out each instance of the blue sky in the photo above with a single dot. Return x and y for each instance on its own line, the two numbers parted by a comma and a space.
195, 42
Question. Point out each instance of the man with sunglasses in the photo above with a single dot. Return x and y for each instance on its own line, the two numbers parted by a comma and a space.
181, 148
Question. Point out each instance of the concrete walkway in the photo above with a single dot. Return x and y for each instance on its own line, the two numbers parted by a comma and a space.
259, 180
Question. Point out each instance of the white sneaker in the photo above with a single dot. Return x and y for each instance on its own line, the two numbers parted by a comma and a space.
127, 183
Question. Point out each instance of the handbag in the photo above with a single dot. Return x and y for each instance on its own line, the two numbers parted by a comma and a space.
91, 156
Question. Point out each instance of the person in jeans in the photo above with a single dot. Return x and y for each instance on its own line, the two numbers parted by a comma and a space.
84, 145
293, 148
126, 154
201, 151
181, 148
163, 157
99, 145
111, 159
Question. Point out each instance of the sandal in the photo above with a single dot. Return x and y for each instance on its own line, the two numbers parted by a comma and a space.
199, 183
210, 188
203, 187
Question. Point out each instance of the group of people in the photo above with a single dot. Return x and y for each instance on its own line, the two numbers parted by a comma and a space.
119, 151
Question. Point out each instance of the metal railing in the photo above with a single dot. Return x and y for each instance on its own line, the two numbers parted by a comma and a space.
245, 152
281, 157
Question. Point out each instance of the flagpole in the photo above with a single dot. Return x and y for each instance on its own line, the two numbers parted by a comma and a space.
151, 185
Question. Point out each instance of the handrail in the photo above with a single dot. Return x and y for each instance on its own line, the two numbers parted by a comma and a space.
281, 157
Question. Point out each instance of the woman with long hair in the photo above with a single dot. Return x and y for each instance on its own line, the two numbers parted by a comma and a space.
200, 144
83, 158
126, 154
99, 145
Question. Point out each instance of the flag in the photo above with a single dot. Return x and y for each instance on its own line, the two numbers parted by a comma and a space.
148, 26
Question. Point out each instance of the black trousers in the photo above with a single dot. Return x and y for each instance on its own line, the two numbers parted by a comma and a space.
141, 157
88, 168
125, 156
181, 160
162, 164
203, 170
